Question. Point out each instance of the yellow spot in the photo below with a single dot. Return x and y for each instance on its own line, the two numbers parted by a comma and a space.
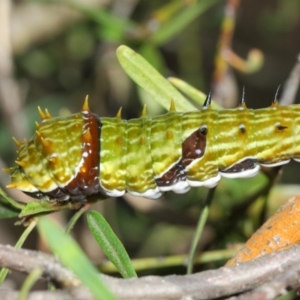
42, 114
83, 169
18, 143
85, 106
169, 134
11, 186
144, 111
119, 113
6, 170
172, 106
37, 125
87, 137
142, 140
22, 164
47, 114
119, 140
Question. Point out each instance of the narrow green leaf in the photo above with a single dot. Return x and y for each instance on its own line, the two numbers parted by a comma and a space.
8, 207
191, 92
41, 207
76, 217
73, 258
110, 244
151, 81
4, 198
177, 23
153, 56
7, 211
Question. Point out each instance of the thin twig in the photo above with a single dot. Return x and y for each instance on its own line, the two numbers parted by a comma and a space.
27, 261
205, 285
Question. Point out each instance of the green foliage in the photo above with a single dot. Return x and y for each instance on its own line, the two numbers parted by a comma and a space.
176, 24
110, 244
41, 207
73, 258
8, 207
150, 80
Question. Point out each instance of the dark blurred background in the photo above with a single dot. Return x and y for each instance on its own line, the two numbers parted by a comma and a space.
54, 53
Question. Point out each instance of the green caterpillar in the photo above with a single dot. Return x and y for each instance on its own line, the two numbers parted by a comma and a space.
73, 158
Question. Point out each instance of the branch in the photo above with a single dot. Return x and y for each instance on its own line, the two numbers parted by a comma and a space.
205, 285
26, 261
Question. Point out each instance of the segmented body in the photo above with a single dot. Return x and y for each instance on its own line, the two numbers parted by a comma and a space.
70, 159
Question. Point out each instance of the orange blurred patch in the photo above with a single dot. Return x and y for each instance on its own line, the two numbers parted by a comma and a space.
280, 232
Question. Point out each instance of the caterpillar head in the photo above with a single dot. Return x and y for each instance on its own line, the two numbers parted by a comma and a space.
61, 161
19, 180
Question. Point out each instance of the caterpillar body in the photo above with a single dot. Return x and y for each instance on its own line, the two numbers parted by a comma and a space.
76, 157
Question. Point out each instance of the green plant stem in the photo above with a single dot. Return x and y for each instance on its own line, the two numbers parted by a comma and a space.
20, 242
143, 264
76, 216
28, 283
201, 222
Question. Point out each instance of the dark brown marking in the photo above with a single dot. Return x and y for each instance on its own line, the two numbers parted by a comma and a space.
175, 174
242, 128
192, 148
86, 183
244, 165
281, 127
